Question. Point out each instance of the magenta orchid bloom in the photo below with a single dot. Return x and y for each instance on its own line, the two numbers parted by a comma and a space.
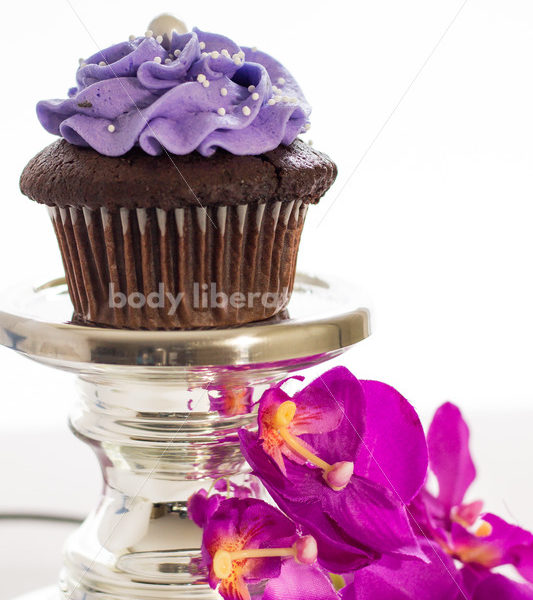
342, 458
462, 529
248, 541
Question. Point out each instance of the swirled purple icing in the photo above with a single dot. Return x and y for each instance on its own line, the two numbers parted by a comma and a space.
201, 92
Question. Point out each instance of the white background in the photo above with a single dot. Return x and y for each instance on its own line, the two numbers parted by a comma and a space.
432, 218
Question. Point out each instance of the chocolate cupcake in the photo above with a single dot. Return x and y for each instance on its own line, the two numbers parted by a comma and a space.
179, 190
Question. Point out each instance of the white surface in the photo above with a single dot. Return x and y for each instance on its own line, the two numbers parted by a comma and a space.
34, 557
435, 223
48, 593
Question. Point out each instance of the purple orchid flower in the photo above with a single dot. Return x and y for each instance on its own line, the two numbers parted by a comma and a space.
341, 458
248, 541
462, 529
498, 587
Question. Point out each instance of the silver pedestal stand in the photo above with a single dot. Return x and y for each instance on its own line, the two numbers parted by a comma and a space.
161, 409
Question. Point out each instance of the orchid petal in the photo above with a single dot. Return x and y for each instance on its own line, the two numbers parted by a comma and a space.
394, 451
340, 387
449, 454
300, 582
524, 561
428, 514
373, 515
395, 579
319, 404
234, 590
200, 506
498, 587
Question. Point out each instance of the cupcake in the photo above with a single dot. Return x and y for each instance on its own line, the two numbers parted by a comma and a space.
179, 188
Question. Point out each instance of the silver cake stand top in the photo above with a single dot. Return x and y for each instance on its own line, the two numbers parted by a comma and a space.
323, 320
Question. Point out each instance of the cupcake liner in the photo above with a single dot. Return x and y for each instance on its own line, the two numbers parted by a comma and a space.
149, 268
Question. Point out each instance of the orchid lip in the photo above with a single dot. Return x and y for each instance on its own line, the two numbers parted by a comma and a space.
304, 551
337, 475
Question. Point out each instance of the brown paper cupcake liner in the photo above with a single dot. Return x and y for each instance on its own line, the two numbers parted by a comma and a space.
148, 268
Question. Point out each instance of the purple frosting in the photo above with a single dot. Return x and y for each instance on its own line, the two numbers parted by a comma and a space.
195, 94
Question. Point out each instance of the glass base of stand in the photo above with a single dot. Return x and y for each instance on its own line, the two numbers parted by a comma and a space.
162, 409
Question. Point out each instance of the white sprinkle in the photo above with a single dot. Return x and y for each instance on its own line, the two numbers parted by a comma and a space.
157, 59
159, 39
149, 33
110, 128
271, 102
254, 48
215, 54
307, 126
293, 99
202, 45
285, 99
281, 80
177, 52
225, 53
223, 92
255, 96
201, 78
246, 111
275, 88
168, 61
204, 54
241, 54
221, 111
237, 60
102, 63
206, 83
277, 98
251, 88
131, 37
